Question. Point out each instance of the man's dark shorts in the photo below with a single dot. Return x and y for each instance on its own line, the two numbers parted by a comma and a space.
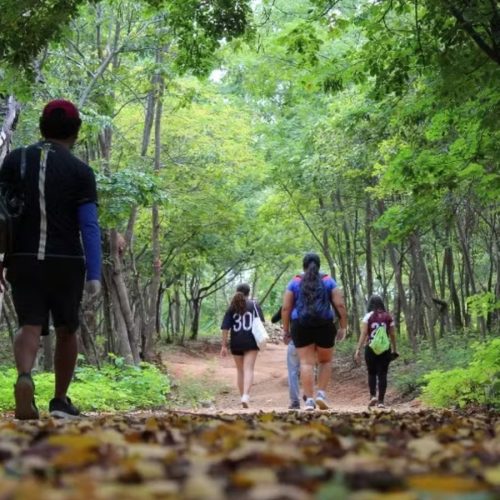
39, 287
322, 336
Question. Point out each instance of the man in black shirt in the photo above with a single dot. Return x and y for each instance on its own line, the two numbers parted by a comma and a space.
47, 265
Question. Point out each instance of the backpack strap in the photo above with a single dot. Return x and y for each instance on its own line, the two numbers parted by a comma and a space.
23, 163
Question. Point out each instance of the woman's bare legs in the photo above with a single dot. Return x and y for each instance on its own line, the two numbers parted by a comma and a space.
238, 361
307, 356
248, 367
325, 356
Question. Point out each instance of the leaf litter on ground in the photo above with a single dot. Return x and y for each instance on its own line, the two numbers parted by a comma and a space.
295, 455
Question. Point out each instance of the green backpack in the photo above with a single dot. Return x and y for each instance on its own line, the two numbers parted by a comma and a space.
380, 341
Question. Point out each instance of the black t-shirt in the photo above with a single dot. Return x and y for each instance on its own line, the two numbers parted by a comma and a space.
241, 326
56, 183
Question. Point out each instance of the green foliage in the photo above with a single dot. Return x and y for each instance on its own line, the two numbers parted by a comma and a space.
27, 26
194, 392
477, 383
482, 304
115, 386
409, 371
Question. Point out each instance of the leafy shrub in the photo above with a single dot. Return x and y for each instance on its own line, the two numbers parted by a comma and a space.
478, 383
409, 371
114, 387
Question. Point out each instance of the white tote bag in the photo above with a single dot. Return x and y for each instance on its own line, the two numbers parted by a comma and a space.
258, 330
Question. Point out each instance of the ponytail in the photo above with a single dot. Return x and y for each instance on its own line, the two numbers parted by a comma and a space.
238, 303
310, 284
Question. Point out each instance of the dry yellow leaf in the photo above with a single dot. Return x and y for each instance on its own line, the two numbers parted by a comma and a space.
423, 448
492, 475
247, 478
445, 484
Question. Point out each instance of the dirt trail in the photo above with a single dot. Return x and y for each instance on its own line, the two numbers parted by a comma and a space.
347, 392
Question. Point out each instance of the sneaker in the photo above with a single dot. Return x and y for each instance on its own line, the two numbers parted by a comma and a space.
245, 400
373, 402
60, 408
24, 395
321, 401
380, 405
310, 405
294, 405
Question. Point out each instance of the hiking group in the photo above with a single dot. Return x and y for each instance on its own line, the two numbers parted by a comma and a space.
313, 306
51, 242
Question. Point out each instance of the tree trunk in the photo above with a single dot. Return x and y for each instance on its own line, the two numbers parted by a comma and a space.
368, 244
423, 289
195, 318
9, 113
152, 319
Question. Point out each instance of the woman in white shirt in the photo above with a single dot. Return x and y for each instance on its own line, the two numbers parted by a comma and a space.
377, 364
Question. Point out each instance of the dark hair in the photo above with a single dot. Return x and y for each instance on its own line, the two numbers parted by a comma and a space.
308, 258
244, 289
375, 303
58, 125
310, 285
239, 300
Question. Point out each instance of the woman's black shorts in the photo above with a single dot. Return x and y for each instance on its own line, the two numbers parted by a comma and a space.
322, 336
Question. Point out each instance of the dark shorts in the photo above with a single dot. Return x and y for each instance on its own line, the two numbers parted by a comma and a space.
241, 342
53, 286
237, 352
322, 336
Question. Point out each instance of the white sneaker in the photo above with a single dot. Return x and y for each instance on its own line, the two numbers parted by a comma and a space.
310, 405
245, 399
373, 402
321, 401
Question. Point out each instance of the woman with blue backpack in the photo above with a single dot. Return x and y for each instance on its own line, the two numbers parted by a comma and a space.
308, 315
379, 340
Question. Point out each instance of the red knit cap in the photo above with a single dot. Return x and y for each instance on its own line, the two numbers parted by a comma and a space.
70, 110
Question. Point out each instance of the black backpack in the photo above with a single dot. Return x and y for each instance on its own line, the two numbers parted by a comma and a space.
11, 207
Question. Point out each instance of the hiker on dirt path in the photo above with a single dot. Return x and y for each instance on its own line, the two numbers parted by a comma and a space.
238, 320
293, 366
46, 268
308, 317
377, 321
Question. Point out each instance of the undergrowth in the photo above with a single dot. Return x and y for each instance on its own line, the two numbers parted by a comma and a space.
115, 386
478, 383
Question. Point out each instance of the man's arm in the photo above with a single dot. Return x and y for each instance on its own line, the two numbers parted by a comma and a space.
91, 238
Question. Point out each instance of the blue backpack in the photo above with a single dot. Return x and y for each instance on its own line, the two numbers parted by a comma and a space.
319, 312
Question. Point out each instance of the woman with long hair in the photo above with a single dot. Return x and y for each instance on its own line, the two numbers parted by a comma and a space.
309, 306
377, 364
238, 320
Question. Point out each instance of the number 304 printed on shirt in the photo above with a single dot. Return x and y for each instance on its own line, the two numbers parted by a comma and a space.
242, 322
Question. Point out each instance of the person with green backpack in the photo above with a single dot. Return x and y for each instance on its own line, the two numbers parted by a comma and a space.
377, 335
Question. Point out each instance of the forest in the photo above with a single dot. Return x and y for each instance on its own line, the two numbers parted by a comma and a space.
229, 138
225, 149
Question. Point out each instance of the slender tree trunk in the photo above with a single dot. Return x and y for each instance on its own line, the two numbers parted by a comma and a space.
9, 114
48, 353
450, 274
423, 288
368, 244
195, 318
152, 320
